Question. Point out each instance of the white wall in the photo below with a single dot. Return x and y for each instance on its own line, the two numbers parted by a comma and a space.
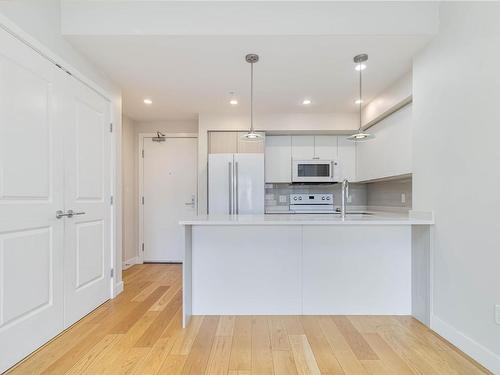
291, 122
130, 212
455, 150
39, 23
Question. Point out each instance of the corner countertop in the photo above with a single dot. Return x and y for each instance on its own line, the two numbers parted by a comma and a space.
372, 218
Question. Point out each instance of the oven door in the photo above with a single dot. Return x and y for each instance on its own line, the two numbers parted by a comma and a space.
313, 170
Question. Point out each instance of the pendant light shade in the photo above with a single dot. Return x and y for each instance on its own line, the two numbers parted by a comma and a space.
251, 135
360, 135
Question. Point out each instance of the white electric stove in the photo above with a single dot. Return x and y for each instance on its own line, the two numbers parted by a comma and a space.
311, 203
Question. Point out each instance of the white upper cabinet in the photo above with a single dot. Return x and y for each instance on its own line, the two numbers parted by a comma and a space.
278, 159
303, 147
325, 147
389, 154
314, 147
281, 149
346, 158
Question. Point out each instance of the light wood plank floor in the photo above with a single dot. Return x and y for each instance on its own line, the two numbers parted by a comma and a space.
140, 332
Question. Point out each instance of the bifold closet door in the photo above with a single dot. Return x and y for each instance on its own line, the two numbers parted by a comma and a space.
87, 234
31, 183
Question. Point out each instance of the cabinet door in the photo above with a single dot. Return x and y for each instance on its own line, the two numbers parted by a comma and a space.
223, 142
325, 147
302, 147
346, 159
278, 159
250, 147
389, 154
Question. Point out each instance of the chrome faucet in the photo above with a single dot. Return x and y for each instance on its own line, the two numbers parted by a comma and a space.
345, 194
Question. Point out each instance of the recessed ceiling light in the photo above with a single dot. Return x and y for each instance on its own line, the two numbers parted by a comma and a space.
359, 67
233, 102
148, 101
306, 101
358, 101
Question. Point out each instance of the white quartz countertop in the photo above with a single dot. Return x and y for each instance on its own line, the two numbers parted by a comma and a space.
373, 218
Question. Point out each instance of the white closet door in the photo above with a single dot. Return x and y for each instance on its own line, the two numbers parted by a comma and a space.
31, 238
87, 238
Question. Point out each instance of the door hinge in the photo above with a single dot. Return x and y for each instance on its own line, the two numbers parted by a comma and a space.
143, 200
143, 246
112, 273
143, 153
111, 200
111, 127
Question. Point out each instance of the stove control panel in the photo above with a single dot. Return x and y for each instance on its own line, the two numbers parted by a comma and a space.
322, 199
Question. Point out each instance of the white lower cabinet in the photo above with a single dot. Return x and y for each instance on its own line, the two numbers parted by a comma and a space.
299, 269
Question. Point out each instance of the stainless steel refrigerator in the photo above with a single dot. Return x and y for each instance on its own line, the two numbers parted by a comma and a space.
236, 184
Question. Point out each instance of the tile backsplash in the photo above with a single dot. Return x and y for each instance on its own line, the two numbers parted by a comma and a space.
390, 194
277, 195
381, 195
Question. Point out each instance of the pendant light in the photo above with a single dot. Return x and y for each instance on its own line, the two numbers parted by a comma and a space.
251, 135
359, 60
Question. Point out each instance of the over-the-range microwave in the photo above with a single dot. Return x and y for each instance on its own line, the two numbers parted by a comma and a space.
314, 170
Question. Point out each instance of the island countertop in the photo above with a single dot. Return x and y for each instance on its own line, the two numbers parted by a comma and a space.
371, 218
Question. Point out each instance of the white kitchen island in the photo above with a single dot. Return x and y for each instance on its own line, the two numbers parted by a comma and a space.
376, 264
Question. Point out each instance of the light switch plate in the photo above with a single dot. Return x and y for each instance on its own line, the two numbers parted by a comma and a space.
283, 198
497, 314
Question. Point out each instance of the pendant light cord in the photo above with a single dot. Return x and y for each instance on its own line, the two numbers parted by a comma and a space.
360, 94
251, 97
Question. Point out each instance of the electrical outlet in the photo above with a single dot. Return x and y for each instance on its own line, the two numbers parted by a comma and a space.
403, 198
497, 314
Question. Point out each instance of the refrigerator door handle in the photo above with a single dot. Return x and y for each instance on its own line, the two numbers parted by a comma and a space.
237, 192
230, 179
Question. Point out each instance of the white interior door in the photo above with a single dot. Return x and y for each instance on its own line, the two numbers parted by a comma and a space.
169, 191
31, 238
87, 234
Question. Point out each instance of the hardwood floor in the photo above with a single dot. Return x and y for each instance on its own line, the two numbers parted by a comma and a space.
140, 332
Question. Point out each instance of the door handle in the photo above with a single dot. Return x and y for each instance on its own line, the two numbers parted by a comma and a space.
190, 203
60, 214
237, 192
72, 213
230, 178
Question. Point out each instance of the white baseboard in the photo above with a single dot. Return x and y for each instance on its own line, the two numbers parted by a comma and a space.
118, 288
477, 351
130, 262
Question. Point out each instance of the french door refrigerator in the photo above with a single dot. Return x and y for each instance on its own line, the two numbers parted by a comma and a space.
236, 184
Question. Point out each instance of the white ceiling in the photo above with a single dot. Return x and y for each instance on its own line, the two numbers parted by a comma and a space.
188, 75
